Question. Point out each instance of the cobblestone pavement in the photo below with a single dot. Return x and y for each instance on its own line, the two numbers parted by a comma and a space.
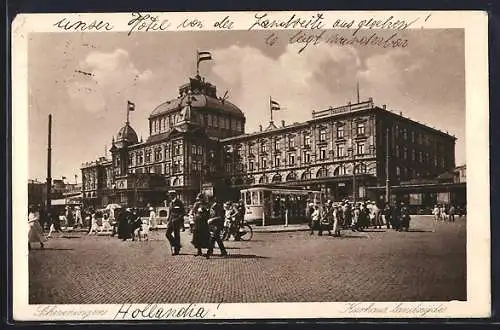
428, 263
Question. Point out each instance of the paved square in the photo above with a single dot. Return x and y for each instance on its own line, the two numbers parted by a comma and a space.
428, 263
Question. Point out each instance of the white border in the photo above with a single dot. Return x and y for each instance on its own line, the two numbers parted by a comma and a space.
477, 151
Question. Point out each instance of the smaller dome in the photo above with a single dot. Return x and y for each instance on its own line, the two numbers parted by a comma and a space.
127, 133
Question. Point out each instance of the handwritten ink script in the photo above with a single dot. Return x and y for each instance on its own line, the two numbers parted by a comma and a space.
399, 308
307, 30
156, 312
58, 312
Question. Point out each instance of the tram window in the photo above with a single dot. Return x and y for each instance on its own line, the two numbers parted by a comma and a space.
248, 199
254, 198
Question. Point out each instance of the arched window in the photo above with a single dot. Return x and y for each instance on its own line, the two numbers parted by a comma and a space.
277, 178
340, 170
291, 177
176, 182
360, 168
263, 179
306, 175
322, 172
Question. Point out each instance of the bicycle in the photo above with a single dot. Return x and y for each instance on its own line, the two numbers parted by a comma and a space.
245, 231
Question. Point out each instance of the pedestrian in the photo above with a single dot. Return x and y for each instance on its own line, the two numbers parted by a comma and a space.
35, 233
54, 223
106, 226
387, 212
78, 217
124, 232
94, 227
152, 218
175, 220
315, 220
405, 217
435, 212
216, 222
451, 213
201, 233
396, 217
336, 220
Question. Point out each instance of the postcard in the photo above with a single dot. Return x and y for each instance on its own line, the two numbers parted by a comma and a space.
250, 165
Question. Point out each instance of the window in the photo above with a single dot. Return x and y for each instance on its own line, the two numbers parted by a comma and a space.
341, 170
413, 155
360, 129
157, 154
276, 161
176, 168
263, 147
398, 171
340, 132
291, 159
166, 152
322, 153
250, 149
405, 134
291, 141
194, 149
276, 145
131, 159
139, 158
148, 155
340, 150
264, 163
405, 153
167, 169
177, 149
398, 152
200, 150
307, 157
250, 165
420, 157
307, 140
360, 148
412, 137
322, 135
360, 168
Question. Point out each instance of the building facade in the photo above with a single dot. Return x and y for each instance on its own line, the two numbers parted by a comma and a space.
197, 140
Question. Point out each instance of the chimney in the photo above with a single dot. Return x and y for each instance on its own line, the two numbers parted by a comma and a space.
260, 128
401, 113
282, 123
384, 106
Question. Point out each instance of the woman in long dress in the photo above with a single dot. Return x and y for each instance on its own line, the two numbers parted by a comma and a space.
201, 232
35, 233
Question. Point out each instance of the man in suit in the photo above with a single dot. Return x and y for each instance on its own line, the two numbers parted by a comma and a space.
175, 221
216, 223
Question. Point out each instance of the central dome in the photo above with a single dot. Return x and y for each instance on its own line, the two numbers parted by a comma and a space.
127, 133
200, 94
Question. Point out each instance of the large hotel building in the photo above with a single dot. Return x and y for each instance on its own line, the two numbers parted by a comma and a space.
197, 141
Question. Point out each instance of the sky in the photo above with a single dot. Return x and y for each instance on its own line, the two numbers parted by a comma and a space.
425, 81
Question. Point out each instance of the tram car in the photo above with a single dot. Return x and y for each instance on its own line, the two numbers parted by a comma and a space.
278, 205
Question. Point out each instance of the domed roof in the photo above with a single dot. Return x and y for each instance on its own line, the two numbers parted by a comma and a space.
197, 101
128, 134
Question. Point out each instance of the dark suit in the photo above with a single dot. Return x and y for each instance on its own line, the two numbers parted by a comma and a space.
216, 222
174, 223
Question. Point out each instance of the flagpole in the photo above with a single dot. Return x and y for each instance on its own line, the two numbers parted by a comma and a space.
128, 111
271, 107
357, 89
197, 63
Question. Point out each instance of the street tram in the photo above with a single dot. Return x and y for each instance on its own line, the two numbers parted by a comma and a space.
277, 205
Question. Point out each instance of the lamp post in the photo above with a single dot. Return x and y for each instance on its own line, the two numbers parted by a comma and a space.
350, 151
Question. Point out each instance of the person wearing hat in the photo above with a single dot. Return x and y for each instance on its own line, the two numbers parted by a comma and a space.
405, 217
175, 221
201, 232
215, 223
124, 228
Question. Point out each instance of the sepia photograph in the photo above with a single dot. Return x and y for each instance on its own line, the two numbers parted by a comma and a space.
247, 166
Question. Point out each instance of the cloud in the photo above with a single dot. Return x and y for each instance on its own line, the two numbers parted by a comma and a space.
314, 79
114, 77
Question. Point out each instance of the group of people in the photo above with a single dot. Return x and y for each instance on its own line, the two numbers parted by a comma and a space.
333, 217
208, 217
447, 213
